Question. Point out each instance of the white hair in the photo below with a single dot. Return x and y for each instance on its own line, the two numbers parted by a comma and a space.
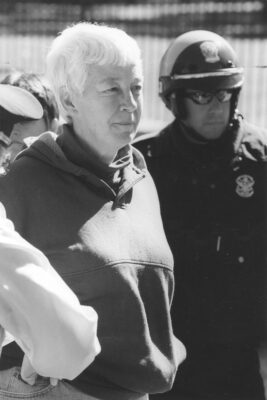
82, 45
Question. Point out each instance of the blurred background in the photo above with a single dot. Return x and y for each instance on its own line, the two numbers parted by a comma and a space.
28, 27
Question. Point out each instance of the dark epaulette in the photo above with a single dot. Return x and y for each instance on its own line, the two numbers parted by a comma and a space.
254, 141
151, 144
145, 143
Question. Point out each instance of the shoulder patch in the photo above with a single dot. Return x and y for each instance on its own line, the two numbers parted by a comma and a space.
245, 186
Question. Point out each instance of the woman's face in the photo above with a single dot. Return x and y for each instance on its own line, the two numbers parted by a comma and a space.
106, 116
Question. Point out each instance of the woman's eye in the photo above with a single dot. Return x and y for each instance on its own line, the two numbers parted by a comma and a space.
112, 89
137, 89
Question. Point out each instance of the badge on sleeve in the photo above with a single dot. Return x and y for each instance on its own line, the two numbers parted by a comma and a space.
245, 184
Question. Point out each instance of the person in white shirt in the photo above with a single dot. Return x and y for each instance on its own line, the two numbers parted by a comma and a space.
44, 316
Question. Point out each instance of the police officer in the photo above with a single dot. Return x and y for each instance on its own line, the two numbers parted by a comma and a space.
209, 169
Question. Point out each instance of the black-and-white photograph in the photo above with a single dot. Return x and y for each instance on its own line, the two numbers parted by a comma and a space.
133, 199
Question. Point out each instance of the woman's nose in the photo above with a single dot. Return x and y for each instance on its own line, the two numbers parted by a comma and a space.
128, 103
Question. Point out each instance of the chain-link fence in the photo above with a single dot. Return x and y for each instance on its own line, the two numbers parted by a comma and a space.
28, 27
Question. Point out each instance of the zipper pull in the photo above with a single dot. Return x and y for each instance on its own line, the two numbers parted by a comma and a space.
218, 246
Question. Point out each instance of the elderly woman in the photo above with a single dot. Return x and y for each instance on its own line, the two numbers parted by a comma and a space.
86, 200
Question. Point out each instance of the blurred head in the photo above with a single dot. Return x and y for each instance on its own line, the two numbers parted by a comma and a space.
16, 106
96, 73
200, 80
40, 89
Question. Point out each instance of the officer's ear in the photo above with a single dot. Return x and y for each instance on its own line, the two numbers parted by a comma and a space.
173, 104
177, 105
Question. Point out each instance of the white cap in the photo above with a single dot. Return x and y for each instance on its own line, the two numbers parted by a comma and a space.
19, 101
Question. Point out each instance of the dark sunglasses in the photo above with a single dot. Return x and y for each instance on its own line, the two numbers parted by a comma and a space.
200, 97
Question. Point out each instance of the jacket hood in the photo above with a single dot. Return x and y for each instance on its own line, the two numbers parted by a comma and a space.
64, 152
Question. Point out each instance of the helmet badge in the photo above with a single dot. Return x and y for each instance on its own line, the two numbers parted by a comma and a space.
210, 51
245, 185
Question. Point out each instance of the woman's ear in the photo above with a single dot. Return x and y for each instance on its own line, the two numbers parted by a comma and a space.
66, 101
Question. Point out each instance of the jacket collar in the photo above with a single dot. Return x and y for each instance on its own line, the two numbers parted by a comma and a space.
119, 176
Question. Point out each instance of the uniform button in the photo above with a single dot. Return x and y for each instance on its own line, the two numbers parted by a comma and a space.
241, 259
213, 186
